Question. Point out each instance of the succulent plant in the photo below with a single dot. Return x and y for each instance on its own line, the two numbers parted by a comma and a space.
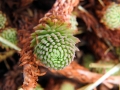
54, 45
9, 34
2, 20
111, 17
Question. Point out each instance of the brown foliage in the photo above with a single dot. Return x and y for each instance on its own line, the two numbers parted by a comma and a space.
74, 70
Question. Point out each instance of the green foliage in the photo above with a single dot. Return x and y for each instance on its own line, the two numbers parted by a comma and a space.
67, 86
5, 55
54, 45
2, 20
111, 17
104, 66
118, 51
38, 87
9, 34
87, 60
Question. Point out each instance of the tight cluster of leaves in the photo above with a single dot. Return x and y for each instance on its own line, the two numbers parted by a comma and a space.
9, 34
111, 17
54, 45
2, 20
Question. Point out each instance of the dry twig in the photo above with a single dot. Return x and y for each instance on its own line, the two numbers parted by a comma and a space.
80, 73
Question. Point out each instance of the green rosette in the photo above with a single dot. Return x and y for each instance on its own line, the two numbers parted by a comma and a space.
54, 45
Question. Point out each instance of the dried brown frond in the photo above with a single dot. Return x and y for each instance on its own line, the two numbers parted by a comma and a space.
90, 21
25, 2
98, 47
28, 61
28, 19
53, 85
13, 79
30, 66
74, 70
93, 22
111, 35
60, 11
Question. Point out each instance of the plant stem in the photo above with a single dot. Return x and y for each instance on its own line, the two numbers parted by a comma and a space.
110, 72
101, 65
9, 44
4, 55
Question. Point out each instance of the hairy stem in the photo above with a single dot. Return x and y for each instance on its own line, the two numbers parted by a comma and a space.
9, 44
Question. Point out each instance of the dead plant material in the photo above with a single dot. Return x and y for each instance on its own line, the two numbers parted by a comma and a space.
30, 67
28, 19
25, 2
112, 36
53, 85
31, 72
13, 79
99, 48
80, 73
28, 60
92, 22
60, 11
100, 32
